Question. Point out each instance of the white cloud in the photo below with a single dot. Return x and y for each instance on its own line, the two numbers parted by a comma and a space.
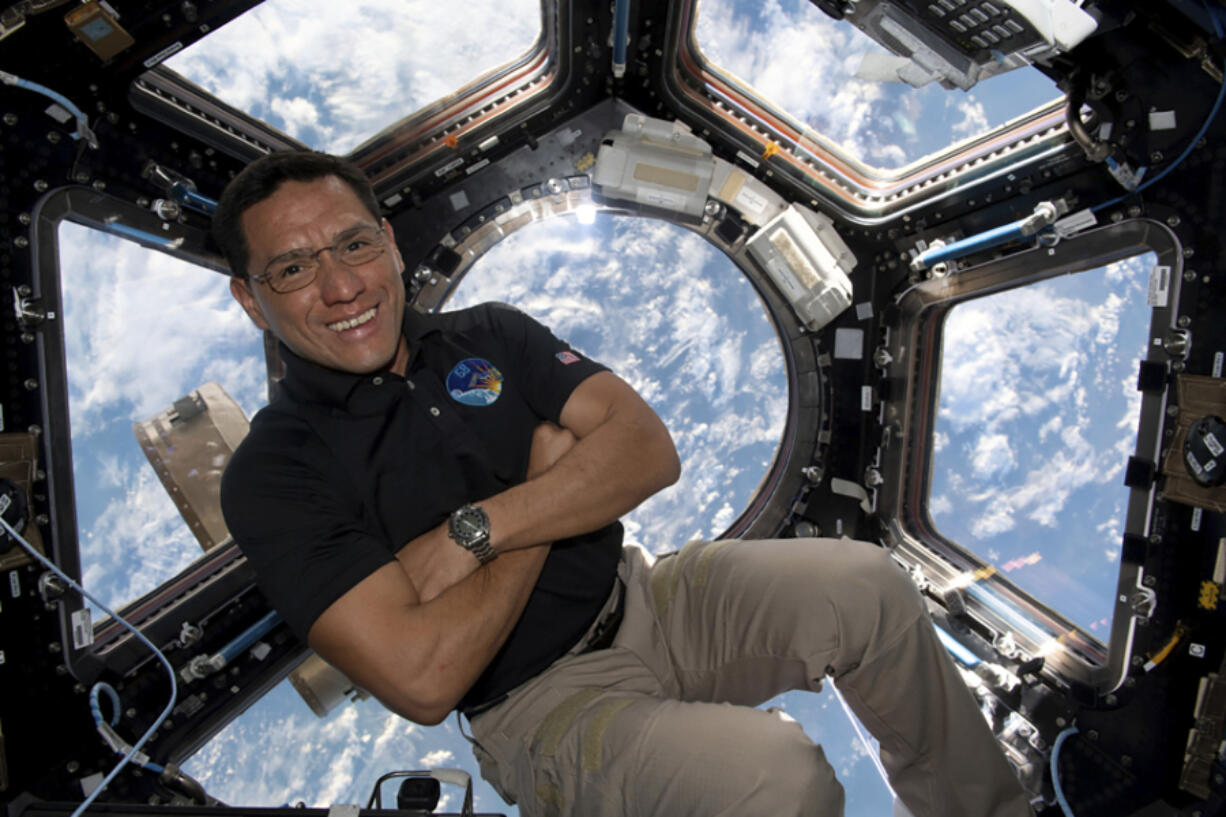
974, 119
436, 758
994, 521
992, 455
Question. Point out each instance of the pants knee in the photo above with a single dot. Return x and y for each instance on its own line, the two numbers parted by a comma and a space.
794, 776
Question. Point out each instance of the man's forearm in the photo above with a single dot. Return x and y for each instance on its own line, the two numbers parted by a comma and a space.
419, 658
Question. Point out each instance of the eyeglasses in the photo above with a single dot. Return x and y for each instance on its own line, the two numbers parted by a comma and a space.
298, 268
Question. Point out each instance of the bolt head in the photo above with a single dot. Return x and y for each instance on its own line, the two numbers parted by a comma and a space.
1150, 581
41, 185
1189, 275
1184, 321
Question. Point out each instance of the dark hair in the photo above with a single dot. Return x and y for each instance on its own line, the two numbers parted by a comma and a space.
262, 178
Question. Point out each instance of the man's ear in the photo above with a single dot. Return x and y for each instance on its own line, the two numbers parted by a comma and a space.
241, 290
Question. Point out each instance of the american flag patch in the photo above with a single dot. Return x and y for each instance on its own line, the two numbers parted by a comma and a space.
567, 357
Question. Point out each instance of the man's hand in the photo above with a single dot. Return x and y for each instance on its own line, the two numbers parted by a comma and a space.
434, 561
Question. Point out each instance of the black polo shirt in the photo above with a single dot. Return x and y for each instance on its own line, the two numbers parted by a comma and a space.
342, 470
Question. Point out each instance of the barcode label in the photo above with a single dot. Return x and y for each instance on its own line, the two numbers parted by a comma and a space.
82, 629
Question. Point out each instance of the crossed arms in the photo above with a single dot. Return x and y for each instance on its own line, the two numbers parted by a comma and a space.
417, 633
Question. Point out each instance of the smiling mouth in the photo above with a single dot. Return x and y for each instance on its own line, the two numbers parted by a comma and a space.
357, 320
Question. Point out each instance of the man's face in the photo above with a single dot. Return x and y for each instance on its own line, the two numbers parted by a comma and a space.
348, 318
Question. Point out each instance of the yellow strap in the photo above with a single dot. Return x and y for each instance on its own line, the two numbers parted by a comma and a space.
549, 733
593, 737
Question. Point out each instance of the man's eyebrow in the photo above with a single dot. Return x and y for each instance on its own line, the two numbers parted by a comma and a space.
341, 236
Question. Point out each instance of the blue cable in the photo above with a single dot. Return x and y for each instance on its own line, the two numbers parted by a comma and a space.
82, 122
621, 26
96, 709
174, 687
1055, 769
112, 738
1217, 28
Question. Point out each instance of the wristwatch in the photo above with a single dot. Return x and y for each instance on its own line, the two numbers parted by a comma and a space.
469, 526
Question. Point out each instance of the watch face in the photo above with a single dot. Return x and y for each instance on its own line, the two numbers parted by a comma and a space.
468, 525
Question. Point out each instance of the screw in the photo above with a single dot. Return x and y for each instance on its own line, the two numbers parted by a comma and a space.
99, 185
43, 519
1061, 722
54, 646
1130, 682
1177, 366
1092, 734
1189, 275
40, 185
1188, 252
1185, 321
1126, 761
27, 337
1156, 156
81, 178
1172, 411
72, 767
60, 669
24, 218
54, 137
21, 242
131, 713
1111, 699
1134, 211
1137, 660
1150, 581
1173, 221
113, 118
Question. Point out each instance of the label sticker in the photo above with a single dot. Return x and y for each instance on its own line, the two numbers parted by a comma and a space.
1159, 286
173, 48
14, 584
567, 357
1217, 364
1197, 513
866, 398
474, 382
447, 168
751, 202
82, 629
1211, 442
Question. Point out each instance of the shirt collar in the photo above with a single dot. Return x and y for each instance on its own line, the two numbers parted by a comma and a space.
308, 381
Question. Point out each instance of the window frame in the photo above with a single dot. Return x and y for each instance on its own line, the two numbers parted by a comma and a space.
909, 421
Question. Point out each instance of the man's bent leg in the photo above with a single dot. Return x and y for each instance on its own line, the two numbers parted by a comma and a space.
746, 620
604, 753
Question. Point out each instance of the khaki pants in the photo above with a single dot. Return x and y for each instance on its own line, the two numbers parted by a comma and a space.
660, 723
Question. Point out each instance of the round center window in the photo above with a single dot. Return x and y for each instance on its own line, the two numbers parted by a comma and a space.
676, 319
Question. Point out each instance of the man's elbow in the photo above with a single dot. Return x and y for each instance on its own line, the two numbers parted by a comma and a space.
424, 706
667, 464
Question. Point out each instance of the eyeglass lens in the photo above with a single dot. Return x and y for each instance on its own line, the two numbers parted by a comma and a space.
296, 270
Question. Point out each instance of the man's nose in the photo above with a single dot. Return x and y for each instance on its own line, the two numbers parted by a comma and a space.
338, 282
